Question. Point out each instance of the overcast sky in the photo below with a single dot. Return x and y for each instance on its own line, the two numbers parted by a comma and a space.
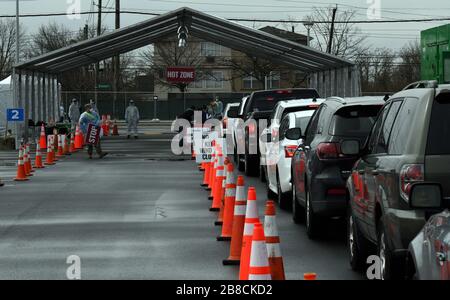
378, 35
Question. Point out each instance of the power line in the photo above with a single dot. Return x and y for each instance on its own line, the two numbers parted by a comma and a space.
245, 19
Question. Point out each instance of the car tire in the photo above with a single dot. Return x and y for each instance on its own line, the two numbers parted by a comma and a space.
240, 163
262, 174
390, 269
356, 244
250, 167
298, 212
270, 195
311, 219
282, 198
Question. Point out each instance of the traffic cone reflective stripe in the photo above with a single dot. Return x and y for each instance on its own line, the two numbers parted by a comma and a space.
228, 207
21, 175
38, 161
251, 218
43, 138
66, 142
26, 161
219, 221
29, 160
72, 143
273, 242
259, 268
240, 207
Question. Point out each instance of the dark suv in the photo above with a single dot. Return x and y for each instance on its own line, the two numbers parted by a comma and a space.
409, 144
319, 167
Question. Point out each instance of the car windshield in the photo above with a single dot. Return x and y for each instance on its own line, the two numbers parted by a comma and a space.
439, 131
354, 121
265, 101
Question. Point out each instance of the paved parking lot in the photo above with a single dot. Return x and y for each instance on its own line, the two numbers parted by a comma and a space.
138, 214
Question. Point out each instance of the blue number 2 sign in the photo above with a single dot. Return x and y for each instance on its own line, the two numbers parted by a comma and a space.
15, 114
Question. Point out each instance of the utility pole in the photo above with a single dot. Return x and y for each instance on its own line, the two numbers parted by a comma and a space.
99, 32
330, 42
116, 62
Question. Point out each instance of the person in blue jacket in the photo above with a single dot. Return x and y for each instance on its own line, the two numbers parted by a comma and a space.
90, 116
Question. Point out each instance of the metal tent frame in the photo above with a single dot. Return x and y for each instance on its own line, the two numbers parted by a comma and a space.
36, 80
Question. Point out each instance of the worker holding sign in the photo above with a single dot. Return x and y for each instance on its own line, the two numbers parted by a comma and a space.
90, 126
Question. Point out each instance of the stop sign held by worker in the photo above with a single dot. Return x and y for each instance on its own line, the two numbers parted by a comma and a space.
92, 135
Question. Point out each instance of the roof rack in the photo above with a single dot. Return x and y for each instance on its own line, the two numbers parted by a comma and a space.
424, 84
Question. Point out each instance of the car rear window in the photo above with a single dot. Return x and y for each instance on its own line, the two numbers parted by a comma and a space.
439, 131
264, 101
354, 121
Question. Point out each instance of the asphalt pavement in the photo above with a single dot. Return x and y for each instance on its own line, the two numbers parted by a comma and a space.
138, 214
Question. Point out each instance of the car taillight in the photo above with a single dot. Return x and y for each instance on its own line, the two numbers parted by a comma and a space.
409, 175
328, 151
251, 128
289, 151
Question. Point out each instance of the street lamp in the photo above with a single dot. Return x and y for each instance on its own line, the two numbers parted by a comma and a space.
308, 25
155, 100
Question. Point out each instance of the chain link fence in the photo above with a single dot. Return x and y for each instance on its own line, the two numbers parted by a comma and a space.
115, 103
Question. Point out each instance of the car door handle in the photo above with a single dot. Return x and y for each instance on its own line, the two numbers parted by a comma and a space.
375, 172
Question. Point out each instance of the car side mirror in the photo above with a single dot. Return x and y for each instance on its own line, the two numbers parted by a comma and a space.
233, 114
350, 147
426, 196
293, 134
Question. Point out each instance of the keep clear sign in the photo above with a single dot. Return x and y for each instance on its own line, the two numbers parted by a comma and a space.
203, 143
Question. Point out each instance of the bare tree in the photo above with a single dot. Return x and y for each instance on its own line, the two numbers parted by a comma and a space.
347, 41
409, 69
8, 46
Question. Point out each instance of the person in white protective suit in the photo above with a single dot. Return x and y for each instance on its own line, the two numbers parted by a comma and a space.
132, 119
74, 113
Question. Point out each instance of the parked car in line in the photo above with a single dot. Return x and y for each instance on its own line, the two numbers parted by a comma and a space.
409, 143
281, 109
279, 156
258, 107
429, 252
227, 122
320, 166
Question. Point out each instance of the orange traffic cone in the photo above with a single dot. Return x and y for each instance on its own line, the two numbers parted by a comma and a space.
219, 221
66, 148
43, 138
220, 177
310, 276
50, 161
251, 218
273, 243
228, 206
259, 262
26, 161
206, 174
38, 161
240, 206
60, 146
29, 161
72, 144
212, 171
21, 175
115, 129
78, 138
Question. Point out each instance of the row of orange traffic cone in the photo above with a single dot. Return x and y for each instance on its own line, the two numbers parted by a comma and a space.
255, 246
57, 146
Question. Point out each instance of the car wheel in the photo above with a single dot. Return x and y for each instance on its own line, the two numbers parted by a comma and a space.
298, 212
270, 195
251, 169
312, 222
389, 269
283, 199
357, 247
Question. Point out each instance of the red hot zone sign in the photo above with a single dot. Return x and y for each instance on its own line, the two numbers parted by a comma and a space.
180, 74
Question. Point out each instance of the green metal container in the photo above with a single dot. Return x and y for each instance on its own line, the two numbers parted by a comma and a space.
435, 62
